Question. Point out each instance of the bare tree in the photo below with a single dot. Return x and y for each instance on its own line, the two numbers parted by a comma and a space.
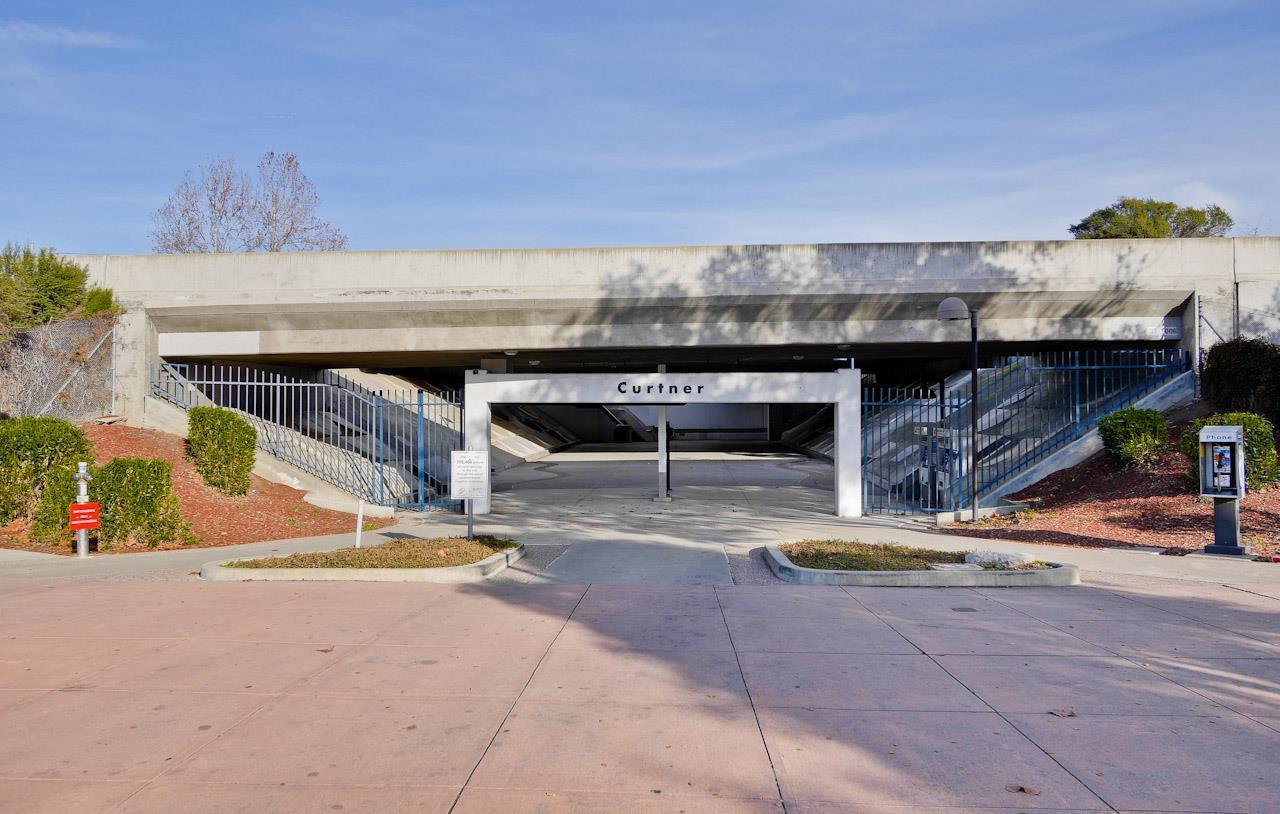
221, 210
209, 213
285, 209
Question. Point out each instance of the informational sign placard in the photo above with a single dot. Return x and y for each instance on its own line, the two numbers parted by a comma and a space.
84, 516
469, 475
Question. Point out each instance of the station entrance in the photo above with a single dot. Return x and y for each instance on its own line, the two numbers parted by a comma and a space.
841, 389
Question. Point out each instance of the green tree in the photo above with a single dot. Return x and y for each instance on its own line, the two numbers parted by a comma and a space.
1147, 217
39, 286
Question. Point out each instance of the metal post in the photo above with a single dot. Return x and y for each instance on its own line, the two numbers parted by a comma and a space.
82, 496
422, 455
664, 453
1075, 390
470, 521
359, 522
1236, 318
934, 443
1226, 528
377, 443
973, 407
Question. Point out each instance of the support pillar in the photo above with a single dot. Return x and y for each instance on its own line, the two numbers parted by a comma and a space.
664, 454
848, 457
476, 420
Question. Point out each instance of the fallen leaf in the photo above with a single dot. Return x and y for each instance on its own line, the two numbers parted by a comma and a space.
1018, 788
1063, 713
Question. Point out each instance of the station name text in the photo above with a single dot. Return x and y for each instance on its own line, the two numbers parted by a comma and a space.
660, 388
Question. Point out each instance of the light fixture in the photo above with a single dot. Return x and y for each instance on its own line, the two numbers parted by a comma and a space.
511, 352
798, 357
843, 347
950, 310
534, 362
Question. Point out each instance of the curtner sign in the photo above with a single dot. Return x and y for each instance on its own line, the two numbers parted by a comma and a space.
841, 388
661, 388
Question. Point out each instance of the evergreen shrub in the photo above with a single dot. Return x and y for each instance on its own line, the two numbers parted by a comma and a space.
221, 443
31, 449
1134, 436
1260, 467
137, 505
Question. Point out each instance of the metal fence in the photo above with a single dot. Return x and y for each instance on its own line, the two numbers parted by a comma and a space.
917, 440
65, 369
390, 447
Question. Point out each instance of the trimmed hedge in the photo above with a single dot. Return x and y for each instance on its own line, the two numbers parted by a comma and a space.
1244, 375
1134, 436
51, 516
1260, 466
221, 443
137, 499
31, 449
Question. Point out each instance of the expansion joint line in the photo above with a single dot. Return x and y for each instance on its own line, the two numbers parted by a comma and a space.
988, 705
755, 713
502, 724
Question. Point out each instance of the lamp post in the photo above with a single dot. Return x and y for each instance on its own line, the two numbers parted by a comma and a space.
949, 310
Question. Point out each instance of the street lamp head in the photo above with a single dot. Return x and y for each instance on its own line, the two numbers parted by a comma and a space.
952, 308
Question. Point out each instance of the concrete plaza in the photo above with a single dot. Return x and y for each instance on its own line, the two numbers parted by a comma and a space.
1129, 695
638, 660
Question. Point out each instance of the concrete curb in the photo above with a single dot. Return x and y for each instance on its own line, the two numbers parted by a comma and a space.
784, 569
218, 571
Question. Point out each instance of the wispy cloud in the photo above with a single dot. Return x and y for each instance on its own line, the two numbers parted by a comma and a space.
17, 31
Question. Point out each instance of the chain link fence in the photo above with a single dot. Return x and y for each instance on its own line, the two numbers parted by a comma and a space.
63, 369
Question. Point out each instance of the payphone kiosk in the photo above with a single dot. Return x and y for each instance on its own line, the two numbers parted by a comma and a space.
1222, 478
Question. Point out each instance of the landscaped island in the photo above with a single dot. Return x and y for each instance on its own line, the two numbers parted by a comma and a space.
851, 555
852, 562
439, 552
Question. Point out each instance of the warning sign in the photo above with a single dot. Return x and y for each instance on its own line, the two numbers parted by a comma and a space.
84, 516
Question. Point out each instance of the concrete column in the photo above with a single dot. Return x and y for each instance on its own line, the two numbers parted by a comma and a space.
848, 457
477, 419
135, 353
662, 497
663, 452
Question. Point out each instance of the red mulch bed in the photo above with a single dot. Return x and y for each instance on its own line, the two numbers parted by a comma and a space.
1098, 504
269, 511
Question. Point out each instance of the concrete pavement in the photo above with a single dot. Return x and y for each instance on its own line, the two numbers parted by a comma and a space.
135, 688
142, 697
729, 504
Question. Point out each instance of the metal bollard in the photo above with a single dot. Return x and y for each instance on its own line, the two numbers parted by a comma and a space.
359, 522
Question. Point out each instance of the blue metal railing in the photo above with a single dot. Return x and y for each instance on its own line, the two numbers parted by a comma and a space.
390, 447
916, 442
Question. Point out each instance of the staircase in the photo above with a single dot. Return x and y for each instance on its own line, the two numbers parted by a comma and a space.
917, 441
389, 447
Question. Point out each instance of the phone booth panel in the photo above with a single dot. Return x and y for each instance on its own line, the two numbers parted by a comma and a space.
1222, 462
1222, 478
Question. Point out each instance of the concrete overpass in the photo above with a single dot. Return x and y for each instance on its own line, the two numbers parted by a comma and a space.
710, 307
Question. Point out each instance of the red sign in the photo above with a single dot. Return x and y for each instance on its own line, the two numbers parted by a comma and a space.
84, 516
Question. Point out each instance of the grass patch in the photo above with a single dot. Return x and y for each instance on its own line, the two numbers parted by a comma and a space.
851, 555
440, 552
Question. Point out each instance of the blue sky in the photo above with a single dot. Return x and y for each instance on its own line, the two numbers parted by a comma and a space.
441, 125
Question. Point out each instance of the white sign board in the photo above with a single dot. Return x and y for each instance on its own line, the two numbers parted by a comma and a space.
469, 475
1231, 434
